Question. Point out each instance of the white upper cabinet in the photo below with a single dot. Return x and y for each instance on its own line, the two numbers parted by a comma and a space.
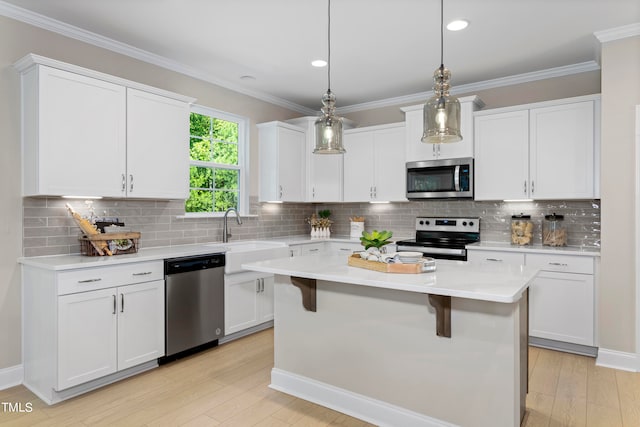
74, 134
157, 147
416, 150
324, 173
86, 133
282, 162
374, 164
502, 156
540, 151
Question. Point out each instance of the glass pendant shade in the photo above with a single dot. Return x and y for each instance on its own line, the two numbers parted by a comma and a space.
441, 112
328, 128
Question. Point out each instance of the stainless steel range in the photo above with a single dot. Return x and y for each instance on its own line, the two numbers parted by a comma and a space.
443, 238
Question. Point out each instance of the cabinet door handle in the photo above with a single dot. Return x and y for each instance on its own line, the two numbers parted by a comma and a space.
144, 273
525, 186
121, 303
261, 285
281, 192
114, 304
257, 286
313, 192
124, 182
494, 259
89, 280
130, 182
533, 188
560, 264
291, 252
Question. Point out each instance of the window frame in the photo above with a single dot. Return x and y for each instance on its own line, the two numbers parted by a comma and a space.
243, 159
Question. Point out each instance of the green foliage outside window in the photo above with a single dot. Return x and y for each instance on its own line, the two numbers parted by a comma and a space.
214, 176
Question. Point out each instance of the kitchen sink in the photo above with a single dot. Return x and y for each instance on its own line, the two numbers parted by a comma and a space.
238, 253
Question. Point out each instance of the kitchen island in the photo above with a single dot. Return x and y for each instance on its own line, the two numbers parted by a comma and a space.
432, 349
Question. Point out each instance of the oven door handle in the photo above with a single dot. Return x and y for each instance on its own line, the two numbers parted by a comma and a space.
456, 178
432, 250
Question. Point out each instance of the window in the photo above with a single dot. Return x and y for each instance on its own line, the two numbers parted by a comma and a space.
217, 155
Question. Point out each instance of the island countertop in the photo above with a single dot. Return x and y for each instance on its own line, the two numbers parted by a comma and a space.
495, 283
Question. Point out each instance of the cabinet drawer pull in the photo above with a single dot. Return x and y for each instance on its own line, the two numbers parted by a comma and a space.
314, 250
89, 280
345, 249
494, 259
561, 264
144, 273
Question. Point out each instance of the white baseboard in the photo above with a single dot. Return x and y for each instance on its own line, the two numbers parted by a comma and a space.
618, 360
353, 404
11, 377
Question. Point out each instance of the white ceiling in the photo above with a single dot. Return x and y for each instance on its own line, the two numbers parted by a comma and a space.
380, 48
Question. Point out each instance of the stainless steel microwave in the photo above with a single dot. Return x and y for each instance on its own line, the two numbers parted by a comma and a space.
440, 179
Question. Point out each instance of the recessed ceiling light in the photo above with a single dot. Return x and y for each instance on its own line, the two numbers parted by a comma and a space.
319, 63
457, 25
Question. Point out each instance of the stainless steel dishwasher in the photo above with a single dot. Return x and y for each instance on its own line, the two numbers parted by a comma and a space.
194, 302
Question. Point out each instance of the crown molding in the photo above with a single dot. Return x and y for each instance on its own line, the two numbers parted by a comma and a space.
71, 31
618, 33
89, 37
474, 87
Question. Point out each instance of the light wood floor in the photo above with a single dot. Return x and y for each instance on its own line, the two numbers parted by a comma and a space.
227, 386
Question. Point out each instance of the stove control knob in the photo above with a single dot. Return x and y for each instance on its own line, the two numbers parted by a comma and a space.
427, 222
464, 223
471, 223
421, 222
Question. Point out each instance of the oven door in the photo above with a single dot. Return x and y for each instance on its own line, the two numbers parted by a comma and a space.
440, 179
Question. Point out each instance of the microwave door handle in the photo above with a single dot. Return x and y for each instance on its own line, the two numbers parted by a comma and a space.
456, 178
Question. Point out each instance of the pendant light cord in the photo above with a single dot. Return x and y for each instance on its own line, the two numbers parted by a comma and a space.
329, 44
442, 33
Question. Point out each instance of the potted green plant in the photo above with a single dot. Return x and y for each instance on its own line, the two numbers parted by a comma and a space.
375, 239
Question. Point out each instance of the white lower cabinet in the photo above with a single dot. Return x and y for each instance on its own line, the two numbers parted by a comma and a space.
108, 330
248, 301
85, 324
561, 297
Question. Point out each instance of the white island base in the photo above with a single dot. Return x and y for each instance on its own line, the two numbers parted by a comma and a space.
373, 353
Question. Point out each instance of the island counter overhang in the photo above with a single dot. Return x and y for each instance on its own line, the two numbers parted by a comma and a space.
370, 348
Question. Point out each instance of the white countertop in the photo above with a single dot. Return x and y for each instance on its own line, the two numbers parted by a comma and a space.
67, 262
558, 250
487, 282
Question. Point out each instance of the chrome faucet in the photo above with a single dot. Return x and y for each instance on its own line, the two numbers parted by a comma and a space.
225, 229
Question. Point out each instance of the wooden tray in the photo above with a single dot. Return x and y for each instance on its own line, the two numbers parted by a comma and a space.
356, 261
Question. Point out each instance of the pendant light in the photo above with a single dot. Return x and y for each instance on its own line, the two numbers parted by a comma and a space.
328, 126
442, 111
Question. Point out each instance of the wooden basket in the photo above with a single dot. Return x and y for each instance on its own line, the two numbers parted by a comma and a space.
356, 261
87, 248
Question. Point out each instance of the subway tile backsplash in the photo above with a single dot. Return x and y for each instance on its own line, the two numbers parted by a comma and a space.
49, 230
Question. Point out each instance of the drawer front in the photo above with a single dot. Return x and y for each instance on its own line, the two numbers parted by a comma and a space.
89, 279
562, 263
497, 257
344, 248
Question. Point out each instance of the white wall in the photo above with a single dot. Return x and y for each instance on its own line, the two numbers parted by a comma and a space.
620, 94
